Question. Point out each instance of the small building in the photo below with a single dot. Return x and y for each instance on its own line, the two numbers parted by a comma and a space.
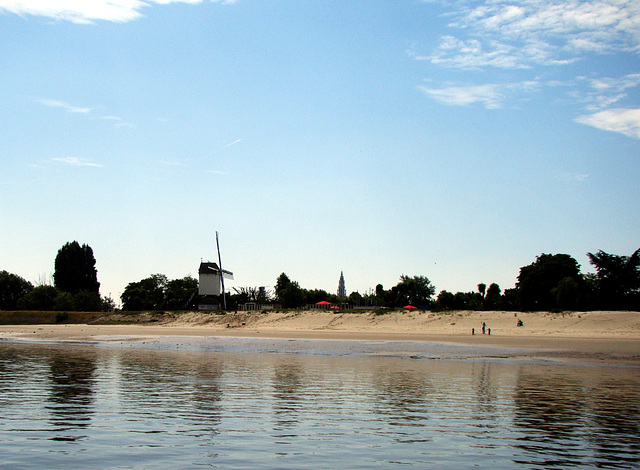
210, 285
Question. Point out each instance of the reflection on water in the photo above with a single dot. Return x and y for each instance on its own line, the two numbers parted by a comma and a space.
92, 407
71, 392
562, 410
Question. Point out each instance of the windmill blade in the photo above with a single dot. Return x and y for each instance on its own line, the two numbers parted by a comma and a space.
227, 274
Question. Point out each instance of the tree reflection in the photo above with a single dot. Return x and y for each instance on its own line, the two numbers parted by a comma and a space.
207, 395
615, 423
485, 389
561, 413
550, 409
173, 385
71, 397
485, 413
403, 394
287, 384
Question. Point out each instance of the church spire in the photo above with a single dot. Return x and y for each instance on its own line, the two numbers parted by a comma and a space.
342, 290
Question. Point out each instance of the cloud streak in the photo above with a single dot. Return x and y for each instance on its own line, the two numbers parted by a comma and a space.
88, 11
491, 96
117, 121
606, 91
66, 106
232, 143
74, 161
621, 120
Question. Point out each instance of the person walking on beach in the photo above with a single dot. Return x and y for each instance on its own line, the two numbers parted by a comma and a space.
473, 331
484, 325
489, 331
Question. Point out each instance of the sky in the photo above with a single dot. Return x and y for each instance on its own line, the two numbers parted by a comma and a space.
457, 140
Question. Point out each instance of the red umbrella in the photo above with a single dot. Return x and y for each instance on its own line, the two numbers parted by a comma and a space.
410, 307
323, 302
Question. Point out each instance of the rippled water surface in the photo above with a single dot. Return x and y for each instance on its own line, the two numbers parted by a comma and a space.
64, 406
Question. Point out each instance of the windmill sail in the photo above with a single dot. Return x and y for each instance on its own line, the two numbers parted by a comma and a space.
223, 272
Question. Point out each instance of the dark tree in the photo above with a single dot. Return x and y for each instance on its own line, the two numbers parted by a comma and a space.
536, 282
382, 296
40, 298
318, 295
445, 300
510, 299
355, 298
467, 301
289, 293
12, 289
618, 280
147, 294
482, 288
493, 299
180, 291
86, 301
282, 283
75, 269
416, 291
567, 294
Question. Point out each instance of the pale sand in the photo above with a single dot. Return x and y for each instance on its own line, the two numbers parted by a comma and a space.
600, 336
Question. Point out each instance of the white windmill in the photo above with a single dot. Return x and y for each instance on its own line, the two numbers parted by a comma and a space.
211, 280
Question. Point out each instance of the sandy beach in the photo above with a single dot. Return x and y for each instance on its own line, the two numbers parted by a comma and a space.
591, 336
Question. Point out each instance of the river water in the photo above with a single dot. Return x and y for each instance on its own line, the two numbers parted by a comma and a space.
91, 406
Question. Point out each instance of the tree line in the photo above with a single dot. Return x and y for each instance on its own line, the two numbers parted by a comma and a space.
551, 282
75, 285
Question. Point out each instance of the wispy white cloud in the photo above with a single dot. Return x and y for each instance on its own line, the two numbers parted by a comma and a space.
599, 100
117, 121
508, 35
232, 143
491, 96
74, 161
77, 11
480, 53
88, 11
621, 120
66, 106
171, 163
605, 92
572, 178
514, 34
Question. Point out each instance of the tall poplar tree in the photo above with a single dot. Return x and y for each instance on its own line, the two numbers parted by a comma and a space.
75, 269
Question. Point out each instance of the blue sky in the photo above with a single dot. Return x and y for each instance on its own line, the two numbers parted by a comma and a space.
456, 139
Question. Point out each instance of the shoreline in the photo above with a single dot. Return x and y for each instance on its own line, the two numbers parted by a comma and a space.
593, 337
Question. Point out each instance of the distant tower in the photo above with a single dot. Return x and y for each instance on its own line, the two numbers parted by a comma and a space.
342, 290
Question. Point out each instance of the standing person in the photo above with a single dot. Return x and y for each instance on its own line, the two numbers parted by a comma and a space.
473, 331
489, 330
484, 325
